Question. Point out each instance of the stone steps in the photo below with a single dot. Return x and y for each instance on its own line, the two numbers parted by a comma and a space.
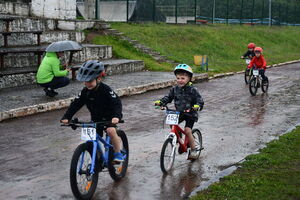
89, 52
11, 77
47, 37
44, 24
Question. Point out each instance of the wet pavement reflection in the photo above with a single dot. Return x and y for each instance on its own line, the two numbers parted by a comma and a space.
36, 151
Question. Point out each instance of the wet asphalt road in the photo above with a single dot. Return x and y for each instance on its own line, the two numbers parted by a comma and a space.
36, 151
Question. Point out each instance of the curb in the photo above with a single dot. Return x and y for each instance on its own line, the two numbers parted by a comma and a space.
63, 103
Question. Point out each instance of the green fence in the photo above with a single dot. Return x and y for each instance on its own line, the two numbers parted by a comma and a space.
270, 12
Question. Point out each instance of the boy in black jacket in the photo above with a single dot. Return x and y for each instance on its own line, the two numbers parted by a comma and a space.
102, 102
186, 99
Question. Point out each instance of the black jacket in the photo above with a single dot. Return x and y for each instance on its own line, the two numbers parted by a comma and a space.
102, 102
184, 98
249, 54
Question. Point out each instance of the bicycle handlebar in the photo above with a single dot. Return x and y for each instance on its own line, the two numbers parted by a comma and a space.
165, 107
76, 123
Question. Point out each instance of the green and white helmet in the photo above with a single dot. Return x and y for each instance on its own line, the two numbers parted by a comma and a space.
183, 68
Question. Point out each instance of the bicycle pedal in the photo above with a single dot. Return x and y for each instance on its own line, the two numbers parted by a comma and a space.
116, 162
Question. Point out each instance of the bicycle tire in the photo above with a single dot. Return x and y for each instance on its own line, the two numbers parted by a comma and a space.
198, 140
169, 157
265, 86
87, 190
253, 86
247, 76
117, 172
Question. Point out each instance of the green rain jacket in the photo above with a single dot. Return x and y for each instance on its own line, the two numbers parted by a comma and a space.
50, 68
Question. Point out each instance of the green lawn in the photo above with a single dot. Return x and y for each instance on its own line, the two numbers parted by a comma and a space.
223, 44
274, 173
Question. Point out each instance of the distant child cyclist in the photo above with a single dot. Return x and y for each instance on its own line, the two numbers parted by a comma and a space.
250, 53
102, 102
187, 100
259, 62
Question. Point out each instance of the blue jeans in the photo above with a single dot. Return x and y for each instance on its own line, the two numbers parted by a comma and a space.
57, 82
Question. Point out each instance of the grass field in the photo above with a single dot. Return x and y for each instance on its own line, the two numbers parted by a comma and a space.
223, 44
274, 173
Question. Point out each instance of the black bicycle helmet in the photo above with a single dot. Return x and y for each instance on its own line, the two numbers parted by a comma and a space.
90, 70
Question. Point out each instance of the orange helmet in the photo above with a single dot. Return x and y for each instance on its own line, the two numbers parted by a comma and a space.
259, 49
251, 46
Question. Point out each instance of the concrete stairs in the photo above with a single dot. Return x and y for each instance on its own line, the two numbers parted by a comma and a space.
19, 69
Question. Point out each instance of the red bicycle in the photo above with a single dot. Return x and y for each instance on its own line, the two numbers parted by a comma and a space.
177, 138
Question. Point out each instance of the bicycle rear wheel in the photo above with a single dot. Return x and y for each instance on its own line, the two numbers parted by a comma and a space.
118, 171
83, 183
253, 86
167, 156
198, 140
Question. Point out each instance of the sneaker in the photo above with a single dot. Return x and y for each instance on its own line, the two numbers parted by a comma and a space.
193, 154
118, 157
50, 93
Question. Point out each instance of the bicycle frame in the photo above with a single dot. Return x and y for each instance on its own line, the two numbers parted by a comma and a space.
183, 144
97, 146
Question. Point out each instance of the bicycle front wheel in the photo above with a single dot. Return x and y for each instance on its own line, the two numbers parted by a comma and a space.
253, 86
198, 140
118, 171
167, 156
83, 182
247, 76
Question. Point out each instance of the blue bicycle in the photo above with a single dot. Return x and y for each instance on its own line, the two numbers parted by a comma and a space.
92, 156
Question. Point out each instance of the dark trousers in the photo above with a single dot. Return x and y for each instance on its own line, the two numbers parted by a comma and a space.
57, 82
262, 73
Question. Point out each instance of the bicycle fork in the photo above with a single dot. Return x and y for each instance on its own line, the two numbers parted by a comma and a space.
174, 141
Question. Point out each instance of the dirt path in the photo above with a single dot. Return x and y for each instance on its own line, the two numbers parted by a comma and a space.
36, 151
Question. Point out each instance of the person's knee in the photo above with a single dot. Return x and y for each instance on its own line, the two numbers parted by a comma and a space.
66, 81
188, 130
111, 132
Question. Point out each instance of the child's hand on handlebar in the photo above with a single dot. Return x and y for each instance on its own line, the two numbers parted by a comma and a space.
115, 120
64, 121
197, 107
157, 103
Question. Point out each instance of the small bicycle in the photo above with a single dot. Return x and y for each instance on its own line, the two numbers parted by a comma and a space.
248, 72
91, 157
256, 82
174, 139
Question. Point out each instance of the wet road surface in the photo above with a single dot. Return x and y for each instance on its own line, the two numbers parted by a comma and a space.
36, 152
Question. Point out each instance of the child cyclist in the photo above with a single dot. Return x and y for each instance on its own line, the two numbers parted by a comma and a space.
250, 53
102, 102
186, 99
259, 62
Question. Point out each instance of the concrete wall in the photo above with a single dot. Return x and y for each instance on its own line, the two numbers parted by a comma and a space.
14, 8
55, 9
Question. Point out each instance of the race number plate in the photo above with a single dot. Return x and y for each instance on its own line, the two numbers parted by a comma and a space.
88, 134
172, 118
248, 61
255, 72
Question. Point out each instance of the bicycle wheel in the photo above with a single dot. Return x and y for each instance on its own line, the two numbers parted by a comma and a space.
247, 76
167, 156
253, 86
265, 86
198, 140
118, 171
83, 183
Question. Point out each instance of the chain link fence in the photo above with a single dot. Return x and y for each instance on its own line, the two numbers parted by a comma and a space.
269, 12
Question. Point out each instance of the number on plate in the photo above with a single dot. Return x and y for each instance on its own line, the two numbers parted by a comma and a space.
88, 134
172, 118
